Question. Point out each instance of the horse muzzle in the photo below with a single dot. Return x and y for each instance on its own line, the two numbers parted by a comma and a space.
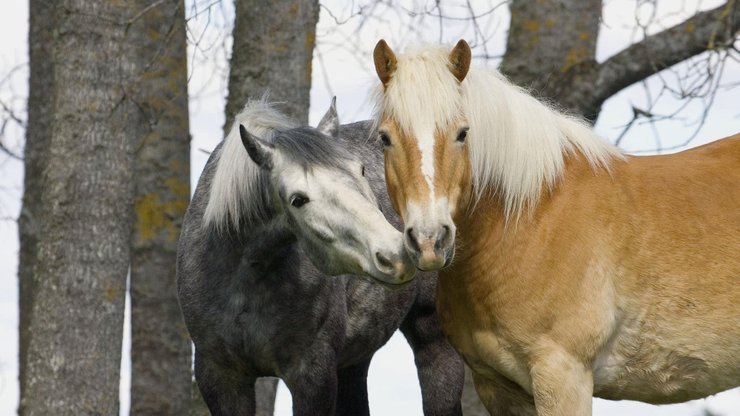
430, 249
393, 268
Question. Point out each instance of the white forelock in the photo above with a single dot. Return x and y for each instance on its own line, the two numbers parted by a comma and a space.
422, 92
234, 187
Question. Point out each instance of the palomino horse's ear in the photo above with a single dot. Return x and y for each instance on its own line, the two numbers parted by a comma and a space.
460, 60
329, 124
260, 152
385, 61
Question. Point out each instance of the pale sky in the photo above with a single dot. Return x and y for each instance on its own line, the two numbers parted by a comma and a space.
393, 387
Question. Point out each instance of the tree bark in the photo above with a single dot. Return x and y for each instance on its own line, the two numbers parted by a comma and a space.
160, 346
272, 51
550, 44
73, 339
38, 135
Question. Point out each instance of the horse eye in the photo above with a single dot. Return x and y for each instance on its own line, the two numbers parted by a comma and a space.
462, 134
298, 200
385, 138
362, 171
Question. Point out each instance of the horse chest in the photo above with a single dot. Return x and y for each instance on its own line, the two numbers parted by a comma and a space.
373, 313
477, 336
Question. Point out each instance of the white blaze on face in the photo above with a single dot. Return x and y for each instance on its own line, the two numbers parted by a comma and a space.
431, 217
425, 141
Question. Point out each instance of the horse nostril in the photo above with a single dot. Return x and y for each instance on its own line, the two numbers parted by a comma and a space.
411, 238
443, 237
383, 261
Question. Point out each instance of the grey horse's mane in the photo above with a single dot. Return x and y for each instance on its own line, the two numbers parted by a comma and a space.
238, 192
237, 189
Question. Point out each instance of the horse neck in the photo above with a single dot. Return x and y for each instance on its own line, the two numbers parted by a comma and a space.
488, 238
478, 227
266, 242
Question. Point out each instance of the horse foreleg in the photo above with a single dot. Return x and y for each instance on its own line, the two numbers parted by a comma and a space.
440, 368
561, 384
502, 397
314, 388
225, 391
352, 390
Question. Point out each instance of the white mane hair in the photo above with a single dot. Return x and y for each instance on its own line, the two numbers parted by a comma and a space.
516, 143
235, 188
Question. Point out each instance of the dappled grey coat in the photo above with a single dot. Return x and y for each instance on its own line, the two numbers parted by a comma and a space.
256, 306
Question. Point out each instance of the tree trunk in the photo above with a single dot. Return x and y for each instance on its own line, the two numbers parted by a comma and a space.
550, 44
73, 339
160, 346
272, 52
38, 136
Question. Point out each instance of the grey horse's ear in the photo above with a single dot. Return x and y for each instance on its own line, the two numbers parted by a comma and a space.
329, 124
260, 152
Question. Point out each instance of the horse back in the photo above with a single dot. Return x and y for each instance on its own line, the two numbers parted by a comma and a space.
686, 203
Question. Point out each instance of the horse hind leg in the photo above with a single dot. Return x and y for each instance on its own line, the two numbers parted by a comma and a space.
352, 390
226, 392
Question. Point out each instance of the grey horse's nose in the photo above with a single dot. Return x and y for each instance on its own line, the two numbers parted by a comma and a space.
384, 263
396, 266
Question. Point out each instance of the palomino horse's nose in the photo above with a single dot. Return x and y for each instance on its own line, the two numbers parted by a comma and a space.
429, 249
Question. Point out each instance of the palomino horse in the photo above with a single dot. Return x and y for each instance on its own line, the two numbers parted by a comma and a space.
266, 228
579, 271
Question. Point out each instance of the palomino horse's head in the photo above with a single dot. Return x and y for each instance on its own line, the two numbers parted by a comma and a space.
320, 189
424, 133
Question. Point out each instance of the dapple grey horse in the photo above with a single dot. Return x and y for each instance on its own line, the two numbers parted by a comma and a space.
280, 213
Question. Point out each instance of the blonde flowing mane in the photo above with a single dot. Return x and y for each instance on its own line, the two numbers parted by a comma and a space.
236, 187
516, 143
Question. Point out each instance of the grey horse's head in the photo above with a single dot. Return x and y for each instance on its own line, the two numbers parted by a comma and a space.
319, 186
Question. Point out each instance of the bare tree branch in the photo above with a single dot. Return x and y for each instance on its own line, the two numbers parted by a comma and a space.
709, 30
9, 152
